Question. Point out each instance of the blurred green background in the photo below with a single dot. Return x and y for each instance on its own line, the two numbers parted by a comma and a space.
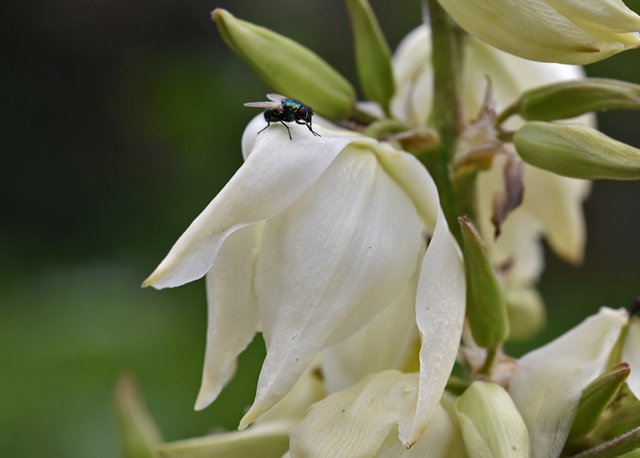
120, 121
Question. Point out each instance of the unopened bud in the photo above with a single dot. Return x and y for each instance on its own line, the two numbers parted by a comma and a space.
576, 151
569, 99
288, 67
595, 399
490, 422
138, 431
486, 307
373, 56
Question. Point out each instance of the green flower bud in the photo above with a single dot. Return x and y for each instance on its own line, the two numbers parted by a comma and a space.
486, 307
288, 67
576, 151
573, 98
595, 399
526, 312
373, 56
138, 432
490, 422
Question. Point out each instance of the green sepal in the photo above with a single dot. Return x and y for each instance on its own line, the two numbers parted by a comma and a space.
595, 399
569, 99
288, 67
486, 306
576, 151
373, 55
138, 432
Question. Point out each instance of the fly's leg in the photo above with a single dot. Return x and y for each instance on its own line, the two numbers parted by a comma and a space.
308, 124
287, 127
268, 124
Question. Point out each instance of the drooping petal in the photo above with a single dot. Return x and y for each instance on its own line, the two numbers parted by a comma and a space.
385, 343
233, 311
491, 425
355, 422
548, 382
631, 355
329, 264
440, 300
276, 174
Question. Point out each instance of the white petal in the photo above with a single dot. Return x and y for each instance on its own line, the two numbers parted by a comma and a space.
328, 264
518, 245
442, 439
537, 32
440, 307
354, 423
385, 343
276, 174
610, 15
510, 76
491, 425
548, 382
440, 300
556, 202
631, 355
414, 77
233, 311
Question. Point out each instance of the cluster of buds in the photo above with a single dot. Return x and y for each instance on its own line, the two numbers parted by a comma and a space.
387, 254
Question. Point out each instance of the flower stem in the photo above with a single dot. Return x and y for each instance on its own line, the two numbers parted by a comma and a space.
446, 111
488, 361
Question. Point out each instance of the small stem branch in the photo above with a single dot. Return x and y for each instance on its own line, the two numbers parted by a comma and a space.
488, 361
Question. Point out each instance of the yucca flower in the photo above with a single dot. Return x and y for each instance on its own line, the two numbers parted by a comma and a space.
307, 243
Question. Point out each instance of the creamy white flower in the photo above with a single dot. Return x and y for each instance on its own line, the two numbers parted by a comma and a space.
308, 242
552, 205
568, 31
363, 422
548, 382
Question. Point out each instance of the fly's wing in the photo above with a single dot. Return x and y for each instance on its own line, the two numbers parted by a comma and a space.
268, 105
276, 97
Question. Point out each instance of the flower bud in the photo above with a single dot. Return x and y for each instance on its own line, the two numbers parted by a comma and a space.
573, 98
138, 432
566, 31
288, 67
486, 307
595, 398
576, 151
373, 56
490, 422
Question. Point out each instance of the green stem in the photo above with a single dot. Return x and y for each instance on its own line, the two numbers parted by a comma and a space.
488, 361
446, 110
625, 443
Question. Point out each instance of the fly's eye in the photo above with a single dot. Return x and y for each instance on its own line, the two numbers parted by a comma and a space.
303, 112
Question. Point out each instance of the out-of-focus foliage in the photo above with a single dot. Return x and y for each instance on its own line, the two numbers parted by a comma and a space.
120, 121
